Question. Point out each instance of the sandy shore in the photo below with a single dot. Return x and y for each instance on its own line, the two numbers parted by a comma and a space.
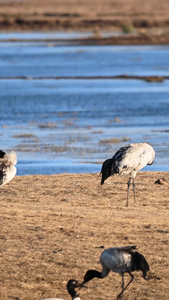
54, 228
146, 21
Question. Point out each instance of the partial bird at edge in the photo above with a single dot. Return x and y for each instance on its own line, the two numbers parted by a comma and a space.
7, 166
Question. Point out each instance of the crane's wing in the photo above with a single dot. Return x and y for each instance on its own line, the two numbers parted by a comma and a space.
118, 157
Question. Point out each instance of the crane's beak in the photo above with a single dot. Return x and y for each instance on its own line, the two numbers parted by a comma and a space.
146, 277
82, 284
149, 277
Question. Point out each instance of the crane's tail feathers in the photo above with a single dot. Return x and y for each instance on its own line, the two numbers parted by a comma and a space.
134, 247
129, 247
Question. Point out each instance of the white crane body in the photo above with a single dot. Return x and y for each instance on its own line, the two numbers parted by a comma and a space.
115, 260
128, 160
134, 158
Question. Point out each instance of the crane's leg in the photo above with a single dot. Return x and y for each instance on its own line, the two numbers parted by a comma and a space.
134, 191
121, 294
124, 288
128, 189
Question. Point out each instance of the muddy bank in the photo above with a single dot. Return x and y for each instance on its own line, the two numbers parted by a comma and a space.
141, 23
144, 78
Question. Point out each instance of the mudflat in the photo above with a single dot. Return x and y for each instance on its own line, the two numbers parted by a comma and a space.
145, 21
54, 228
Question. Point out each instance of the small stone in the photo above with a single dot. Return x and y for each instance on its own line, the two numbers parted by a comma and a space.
161, 181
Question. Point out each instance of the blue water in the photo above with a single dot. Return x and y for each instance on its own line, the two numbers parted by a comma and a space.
34, 59
44, 35
73, 125
54, 36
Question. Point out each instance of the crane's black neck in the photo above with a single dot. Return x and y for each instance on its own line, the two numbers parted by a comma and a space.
72, 293
2, 154
90, 274
106, 170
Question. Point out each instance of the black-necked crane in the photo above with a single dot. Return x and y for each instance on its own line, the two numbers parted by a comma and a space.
119, 260
7, 166
128, 160
71, 285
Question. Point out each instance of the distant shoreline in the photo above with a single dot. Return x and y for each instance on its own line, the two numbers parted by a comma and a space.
124, 39
138, 23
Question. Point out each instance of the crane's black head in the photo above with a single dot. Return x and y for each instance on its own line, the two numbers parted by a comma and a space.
90, 274
139, 263
71, 285
2, 153
106, 169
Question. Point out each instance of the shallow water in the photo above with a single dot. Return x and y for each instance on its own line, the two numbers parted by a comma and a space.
73, 125
44, 59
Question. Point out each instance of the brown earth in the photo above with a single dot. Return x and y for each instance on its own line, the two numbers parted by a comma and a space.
149, 19
54, 228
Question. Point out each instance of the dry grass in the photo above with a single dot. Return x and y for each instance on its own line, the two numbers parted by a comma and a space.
53, 229
114, 140
24, 135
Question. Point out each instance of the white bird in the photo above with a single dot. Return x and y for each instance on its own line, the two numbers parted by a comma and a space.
128, 160
119, 260
71, 285
7, 166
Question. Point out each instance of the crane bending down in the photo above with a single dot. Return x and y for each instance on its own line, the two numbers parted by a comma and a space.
128, 160
7, 166
119, 260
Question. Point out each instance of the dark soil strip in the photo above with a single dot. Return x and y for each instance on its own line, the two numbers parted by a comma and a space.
129, 77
